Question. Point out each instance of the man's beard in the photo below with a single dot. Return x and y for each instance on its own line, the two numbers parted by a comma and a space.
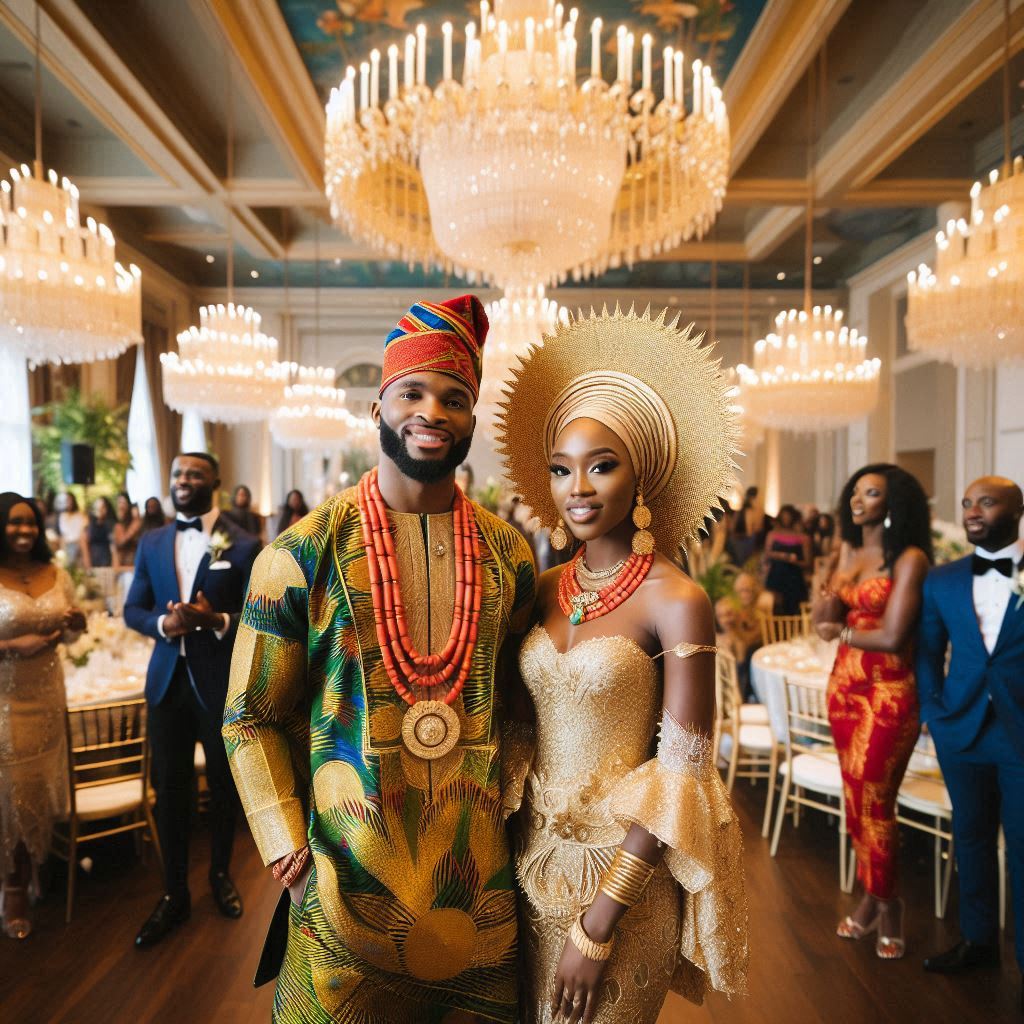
423, 471
200, 502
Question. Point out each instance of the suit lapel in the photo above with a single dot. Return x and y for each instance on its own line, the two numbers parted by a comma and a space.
1011, 621
963, 596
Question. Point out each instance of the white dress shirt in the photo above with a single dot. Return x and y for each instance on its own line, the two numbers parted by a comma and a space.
992, 593
189, 548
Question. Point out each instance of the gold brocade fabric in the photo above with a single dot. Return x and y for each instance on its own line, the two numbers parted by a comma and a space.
33, 748
598, 711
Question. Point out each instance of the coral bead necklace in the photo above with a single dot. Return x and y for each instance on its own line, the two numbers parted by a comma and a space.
583, 605
430, 728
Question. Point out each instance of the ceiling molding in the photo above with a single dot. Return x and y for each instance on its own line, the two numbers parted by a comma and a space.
772, 230
787, 36
288, 103
907, 192
925, 77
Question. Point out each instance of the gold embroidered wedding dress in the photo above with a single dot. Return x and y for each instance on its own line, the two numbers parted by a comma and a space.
33, 748
594, 773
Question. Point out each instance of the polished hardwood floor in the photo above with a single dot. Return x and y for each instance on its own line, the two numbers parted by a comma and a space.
88, 972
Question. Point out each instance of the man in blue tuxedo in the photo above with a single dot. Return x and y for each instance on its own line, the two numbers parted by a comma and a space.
190, 582
975, 712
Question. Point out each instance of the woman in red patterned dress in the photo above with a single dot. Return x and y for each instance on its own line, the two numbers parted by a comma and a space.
871, 605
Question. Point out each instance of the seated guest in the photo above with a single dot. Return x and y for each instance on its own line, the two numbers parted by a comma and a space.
152, 515
751, 603
787, 549
36, 612
975, 713
293, 509
98, 551
243, 514
127, 527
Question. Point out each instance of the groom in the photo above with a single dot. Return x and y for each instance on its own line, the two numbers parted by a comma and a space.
975, 712
190, 579
372, 789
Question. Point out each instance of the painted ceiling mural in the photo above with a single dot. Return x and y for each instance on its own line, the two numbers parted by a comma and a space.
331, 34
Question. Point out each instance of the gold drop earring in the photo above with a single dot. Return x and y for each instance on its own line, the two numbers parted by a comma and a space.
643, 540
559, 538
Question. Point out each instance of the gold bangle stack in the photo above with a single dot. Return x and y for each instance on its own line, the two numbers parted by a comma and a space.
586, 945
626, 878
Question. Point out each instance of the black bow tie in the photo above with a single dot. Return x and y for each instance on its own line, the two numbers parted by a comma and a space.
980, 565
197, 524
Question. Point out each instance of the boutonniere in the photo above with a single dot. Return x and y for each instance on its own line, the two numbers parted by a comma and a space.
219, 543
1017, 586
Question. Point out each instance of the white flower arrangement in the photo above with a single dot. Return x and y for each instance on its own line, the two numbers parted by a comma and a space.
949, 541
1017, 587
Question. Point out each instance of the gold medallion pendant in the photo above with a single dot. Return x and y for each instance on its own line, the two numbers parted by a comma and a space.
430, 729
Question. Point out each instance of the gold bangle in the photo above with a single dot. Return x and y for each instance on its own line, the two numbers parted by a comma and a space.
626, 878
586, 945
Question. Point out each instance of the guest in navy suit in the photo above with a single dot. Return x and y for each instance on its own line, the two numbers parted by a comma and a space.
975, 712
190, 582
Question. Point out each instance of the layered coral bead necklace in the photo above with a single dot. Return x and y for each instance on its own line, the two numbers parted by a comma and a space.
583, 605
430, 728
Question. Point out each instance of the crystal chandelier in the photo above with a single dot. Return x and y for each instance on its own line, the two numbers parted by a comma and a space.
518, 175
751, 431
64, 298
518, 320
225, 369
312, 413
970, 310
809, 374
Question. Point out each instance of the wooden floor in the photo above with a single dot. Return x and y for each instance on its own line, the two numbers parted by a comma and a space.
89, 972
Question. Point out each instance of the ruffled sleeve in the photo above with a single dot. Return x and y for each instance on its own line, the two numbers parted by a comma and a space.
517, 749
680, 799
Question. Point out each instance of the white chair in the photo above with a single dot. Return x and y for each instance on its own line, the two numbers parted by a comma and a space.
108, 761
743, 737
923, 793
811, 764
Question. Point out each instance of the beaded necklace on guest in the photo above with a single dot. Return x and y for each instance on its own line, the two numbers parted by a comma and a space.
583, 605
431, 727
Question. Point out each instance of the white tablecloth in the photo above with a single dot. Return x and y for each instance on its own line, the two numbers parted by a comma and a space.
115, 660
807, 661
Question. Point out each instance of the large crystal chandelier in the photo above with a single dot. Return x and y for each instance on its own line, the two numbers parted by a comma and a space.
518, 320
225, 369
970, 310
312, 413
519, 175
809, 374
64, 298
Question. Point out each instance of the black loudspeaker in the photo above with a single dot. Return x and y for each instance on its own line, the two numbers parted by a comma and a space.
77, 465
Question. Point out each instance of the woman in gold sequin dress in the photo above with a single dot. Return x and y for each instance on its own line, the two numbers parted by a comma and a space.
36, 609
630, 864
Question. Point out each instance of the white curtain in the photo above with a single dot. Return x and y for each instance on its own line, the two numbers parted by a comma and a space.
144, 476
15, 423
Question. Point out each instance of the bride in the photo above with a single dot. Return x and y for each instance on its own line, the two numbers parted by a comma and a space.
618, 429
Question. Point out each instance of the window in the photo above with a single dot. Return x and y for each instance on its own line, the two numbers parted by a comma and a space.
15, 424
144, 477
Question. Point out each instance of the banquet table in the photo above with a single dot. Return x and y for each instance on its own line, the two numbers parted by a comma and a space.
111, 663
807, 661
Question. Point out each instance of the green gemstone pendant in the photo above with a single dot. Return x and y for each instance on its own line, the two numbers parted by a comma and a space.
576, 617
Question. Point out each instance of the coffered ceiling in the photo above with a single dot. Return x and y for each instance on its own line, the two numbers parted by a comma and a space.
138, 98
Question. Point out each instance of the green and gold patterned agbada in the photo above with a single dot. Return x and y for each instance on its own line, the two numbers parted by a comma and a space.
410, 912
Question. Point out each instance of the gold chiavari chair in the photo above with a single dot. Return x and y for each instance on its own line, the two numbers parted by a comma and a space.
108, 762
776, 629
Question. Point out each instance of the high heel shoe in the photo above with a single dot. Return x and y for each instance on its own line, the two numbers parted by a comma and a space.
14, 927
848, 928
892, 947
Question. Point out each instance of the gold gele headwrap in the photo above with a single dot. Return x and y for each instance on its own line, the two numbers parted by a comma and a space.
634, 412
673, 364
